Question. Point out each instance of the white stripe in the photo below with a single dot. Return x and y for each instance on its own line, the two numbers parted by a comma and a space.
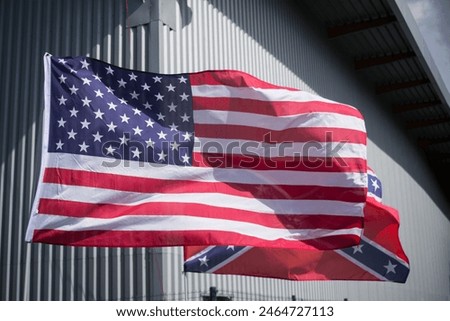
197, 255
204, 174
181, 223
45, 135
385, 251
271, 94
306, 120
362, 266
231, 258
285, 149
375, 197
263, 206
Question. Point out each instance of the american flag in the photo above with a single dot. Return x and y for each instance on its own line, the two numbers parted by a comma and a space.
134, 158
379, 256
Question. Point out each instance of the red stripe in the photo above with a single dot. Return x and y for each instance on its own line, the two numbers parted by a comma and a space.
232, 78
272, 108
289, 135
178, 238
306, 164
382, 227
108, 211
153, 185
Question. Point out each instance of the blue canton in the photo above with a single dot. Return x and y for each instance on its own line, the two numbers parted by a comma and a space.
374, 186
98, 109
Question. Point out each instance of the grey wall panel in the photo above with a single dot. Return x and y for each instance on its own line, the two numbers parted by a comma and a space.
28, 29
279, 42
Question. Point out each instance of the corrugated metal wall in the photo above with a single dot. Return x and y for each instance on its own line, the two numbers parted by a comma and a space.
28, 29
280, 42
274, 40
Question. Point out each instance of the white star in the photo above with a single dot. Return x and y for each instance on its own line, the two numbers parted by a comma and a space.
390, 267
109, 70
86, 81
61, 122
86, 101
72, 71
62, 61
62, 79
97, 77
98, 93
111, 127
123, 101
124, 140
85, 124
112, 106
97, 137
172, 107
170, 88
132, 76
84, 64
148, 106
185, 118
134, 95
137, 111
174, 145
110, 150
59, 145
122, 83
159, 97
160, 116
230, 247
375, 184
136, 153
73, 112
161, 135
137, 131
73, 90
185, 158
358, 248
125, 118
98, 114
145, 87
184, 97
203, 261
149, 122
83, 147
62, 100
182, 79
162, 156
173, 127
157, 79
150, 143
110, 90
71, 134
187, 136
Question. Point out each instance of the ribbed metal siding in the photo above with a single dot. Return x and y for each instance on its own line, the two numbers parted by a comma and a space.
28, 29
279, 42
274, 40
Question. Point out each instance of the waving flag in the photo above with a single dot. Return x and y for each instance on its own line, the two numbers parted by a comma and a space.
379, 256
132, 158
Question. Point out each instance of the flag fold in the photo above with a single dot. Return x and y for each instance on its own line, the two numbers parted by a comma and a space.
379, 256
133, 158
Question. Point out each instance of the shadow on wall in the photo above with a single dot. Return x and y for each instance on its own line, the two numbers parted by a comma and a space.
318, 58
